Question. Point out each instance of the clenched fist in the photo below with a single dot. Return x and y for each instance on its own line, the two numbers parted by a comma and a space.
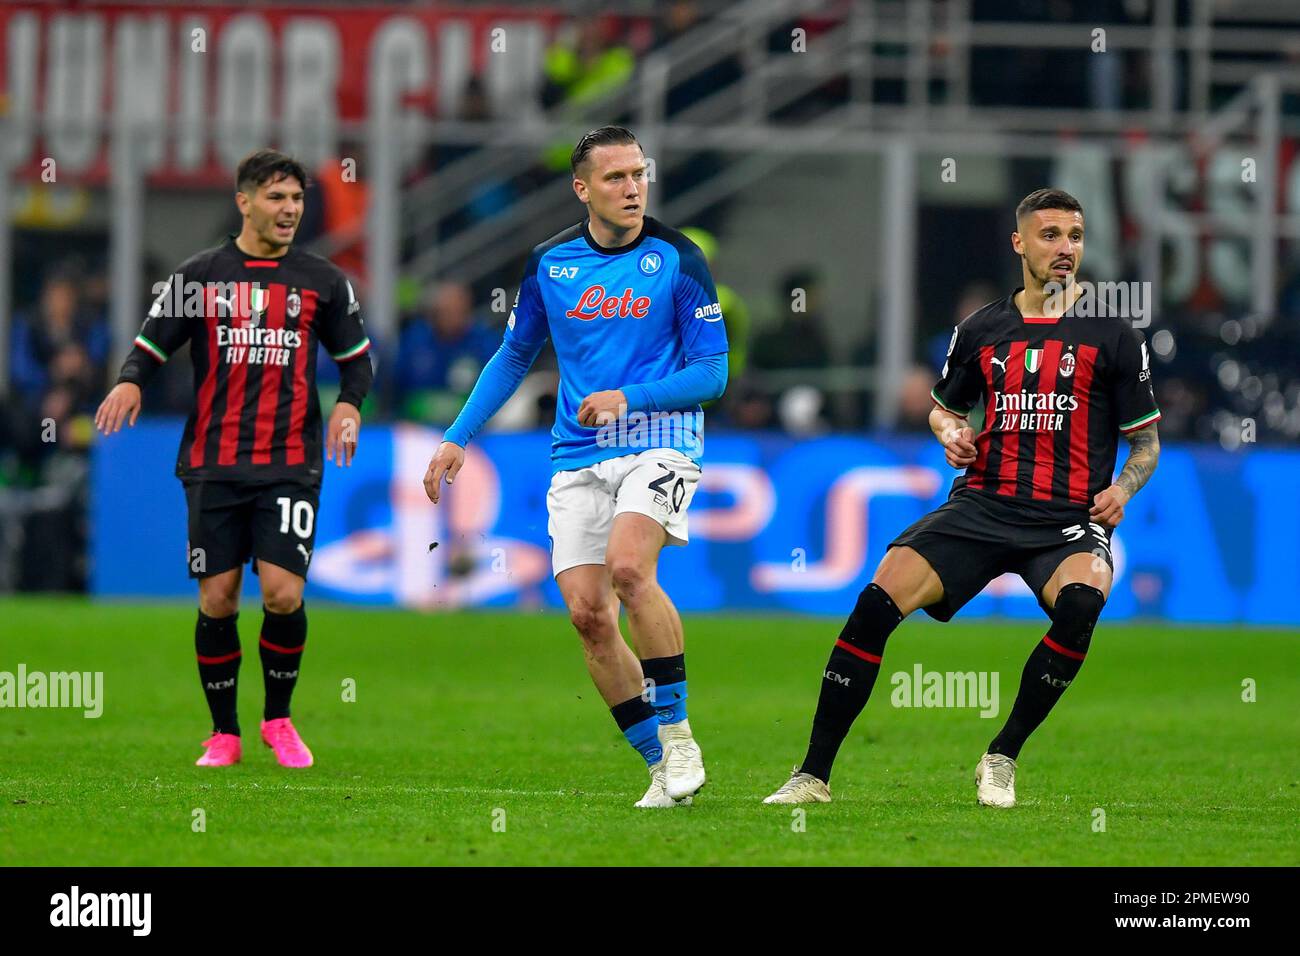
959, 447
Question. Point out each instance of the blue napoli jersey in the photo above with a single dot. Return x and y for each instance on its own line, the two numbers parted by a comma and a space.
618, 317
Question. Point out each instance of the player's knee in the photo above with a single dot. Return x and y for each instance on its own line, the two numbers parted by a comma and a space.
631, 580
907, 579
283, 599
218, 605
590, 621
218, 599
1078, 606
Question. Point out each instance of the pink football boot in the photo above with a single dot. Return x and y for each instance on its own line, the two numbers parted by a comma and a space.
222, 751
280, 736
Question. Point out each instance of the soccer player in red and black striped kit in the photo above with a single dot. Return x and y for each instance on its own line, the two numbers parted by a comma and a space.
253, 310
1036, 498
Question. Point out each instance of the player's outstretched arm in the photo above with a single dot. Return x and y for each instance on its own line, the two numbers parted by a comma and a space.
956, 436
121, 404
1143, 455
496, 383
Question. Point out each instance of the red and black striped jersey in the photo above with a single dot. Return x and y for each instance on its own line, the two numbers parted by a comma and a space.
253, 326
1057, 392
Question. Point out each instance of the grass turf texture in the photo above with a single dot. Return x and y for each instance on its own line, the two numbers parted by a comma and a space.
461, 716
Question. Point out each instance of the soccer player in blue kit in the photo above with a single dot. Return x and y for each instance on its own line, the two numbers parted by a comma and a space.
632, 311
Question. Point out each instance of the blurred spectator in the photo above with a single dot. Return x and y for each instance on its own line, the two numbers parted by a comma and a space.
345, 197
492, 194
676, 19
974, 296
58, 354
799, 340
584, 65
748, 406
440, 355
800, 409
735, 311
914, 401
57, 343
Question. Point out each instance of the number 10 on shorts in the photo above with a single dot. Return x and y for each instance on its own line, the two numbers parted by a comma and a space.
297, 513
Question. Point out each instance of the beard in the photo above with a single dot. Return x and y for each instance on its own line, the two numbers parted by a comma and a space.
1047, 275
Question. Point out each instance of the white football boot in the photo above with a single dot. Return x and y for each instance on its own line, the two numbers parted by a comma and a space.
685, 773
801, 788
657, 796
995, 781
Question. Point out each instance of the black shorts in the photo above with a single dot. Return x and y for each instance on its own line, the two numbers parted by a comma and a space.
973, 538
233, 521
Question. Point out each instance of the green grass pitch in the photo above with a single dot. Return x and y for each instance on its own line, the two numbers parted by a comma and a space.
477, 738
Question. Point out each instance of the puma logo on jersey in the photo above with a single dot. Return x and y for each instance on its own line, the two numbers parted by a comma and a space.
1000, 363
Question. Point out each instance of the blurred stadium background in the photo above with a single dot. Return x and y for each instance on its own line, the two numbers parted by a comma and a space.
850, 169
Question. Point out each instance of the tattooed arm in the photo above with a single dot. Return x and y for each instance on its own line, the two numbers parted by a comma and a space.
1143, 454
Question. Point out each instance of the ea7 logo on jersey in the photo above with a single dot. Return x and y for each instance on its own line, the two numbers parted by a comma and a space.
563, 272
595, 304
709, 313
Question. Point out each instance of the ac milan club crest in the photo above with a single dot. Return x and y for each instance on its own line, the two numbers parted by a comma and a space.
1067, 365
293, 305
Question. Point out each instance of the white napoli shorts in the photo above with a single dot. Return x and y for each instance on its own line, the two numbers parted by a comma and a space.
581, 504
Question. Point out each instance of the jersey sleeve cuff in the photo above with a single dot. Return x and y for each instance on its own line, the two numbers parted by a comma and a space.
457, 435
150, 347
353, 352
947, 408
637, 396
1141, 422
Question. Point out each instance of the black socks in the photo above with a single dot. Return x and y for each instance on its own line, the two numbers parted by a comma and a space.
849, 676
216, 642
1052, 665
281, 644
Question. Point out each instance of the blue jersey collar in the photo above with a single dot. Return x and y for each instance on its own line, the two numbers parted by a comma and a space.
616, 250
